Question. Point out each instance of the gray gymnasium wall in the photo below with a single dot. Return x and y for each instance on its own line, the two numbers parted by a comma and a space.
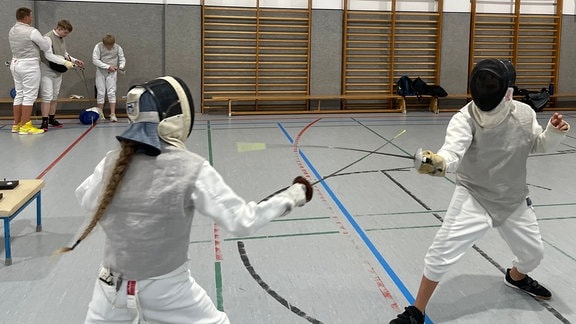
326, 55
454, 53
567, 72
157, 40
166, 39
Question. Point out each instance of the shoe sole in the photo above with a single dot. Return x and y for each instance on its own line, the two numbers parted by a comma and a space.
526, 292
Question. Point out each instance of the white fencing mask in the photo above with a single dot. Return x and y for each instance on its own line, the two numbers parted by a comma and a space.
159, 109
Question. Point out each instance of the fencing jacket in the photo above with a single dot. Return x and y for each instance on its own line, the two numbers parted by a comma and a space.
103, 58
58, 52
26, 42
148, 222
491, 161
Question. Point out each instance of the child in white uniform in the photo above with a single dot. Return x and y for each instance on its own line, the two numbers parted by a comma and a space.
144, 196
487, 144
108, 57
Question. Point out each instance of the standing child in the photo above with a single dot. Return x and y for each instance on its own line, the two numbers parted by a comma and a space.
52, 73
487, 143
144, 196
108, 58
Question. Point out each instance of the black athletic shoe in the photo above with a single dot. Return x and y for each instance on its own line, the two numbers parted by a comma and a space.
44, 125
411, 315
55, 123
529, 286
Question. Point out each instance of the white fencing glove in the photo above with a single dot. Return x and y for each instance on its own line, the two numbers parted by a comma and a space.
296, 193
432, 164
300, 191
68, 64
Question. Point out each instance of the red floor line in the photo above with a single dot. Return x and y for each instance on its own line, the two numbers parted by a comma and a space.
343, 230
43, 173
217, 248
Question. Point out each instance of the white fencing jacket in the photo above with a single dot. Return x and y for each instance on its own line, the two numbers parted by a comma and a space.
490, 162
148, 222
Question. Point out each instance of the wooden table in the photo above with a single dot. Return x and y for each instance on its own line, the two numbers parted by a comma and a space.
13, 202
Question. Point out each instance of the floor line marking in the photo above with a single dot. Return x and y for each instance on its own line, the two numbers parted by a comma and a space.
399, 284
483, 253
68, 149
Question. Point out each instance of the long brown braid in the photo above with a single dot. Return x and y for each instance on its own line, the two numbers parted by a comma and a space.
126, 153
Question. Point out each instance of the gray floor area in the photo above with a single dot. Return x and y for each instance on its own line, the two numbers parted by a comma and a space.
354, 254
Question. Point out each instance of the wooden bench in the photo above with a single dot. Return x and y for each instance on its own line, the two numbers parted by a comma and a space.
466, 97
13, 202
319, 98
517, 97
432, 106
62, 100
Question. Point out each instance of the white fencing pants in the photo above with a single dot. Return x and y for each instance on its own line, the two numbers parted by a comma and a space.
173, 298
26, 75
50, 84
105, 86
466, 221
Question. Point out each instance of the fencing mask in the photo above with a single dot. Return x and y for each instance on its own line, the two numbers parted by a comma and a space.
489, 81
161, 109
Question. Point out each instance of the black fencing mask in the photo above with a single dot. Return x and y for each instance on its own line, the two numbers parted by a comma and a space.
489, 81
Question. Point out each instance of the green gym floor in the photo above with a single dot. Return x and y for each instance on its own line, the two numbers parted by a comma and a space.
353, 255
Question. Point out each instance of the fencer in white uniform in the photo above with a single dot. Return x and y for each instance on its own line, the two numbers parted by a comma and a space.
51, 80
108, 57
487, 144
147, 213
26, 44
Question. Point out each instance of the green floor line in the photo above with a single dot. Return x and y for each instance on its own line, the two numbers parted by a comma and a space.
556, 218
201, 241
217, 266
559, 250
277, 220
280, 236
554, 205
401, 227
209, 134
403, 213
218, 278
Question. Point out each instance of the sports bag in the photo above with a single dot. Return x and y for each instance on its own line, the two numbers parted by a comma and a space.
404, 86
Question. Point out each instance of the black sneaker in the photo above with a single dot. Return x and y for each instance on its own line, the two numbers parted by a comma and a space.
55, 123
44, 125
529, 286
411, 315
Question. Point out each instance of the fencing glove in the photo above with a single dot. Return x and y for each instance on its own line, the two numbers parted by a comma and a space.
300, 192
68, 64
432, 164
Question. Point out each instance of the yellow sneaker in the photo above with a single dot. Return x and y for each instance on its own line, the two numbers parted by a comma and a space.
15, 128
29, 129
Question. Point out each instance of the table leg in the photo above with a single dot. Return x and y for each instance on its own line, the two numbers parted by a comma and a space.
8, 260
39, 212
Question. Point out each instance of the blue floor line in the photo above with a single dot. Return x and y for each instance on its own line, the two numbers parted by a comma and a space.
356, 227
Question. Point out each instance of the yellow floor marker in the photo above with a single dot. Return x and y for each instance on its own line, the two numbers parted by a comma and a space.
249, 147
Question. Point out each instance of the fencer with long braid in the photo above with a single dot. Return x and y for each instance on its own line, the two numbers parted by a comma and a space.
127, 150
144, 196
